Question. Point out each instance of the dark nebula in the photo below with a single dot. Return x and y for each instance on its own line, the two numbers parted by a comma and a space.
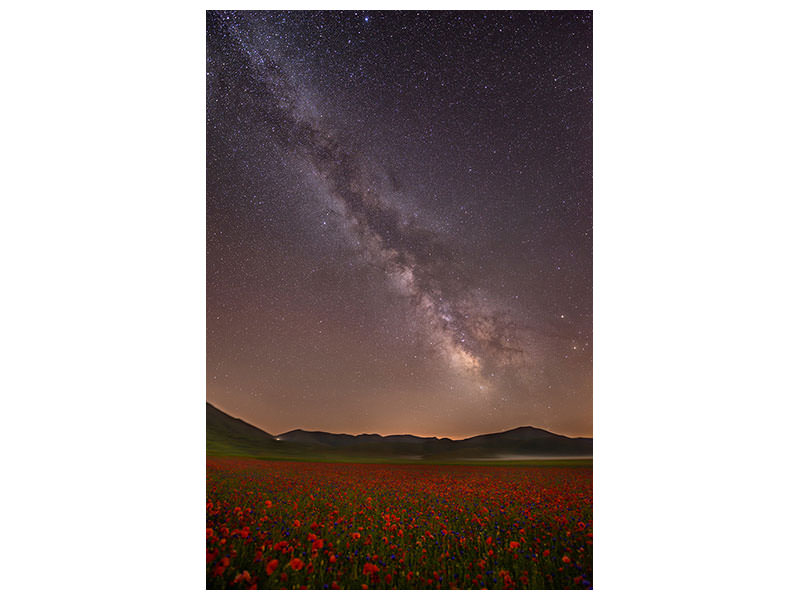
399, 220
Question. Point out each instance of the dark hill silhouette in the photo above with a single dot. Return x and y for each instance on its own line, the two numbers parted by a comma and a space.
228, 435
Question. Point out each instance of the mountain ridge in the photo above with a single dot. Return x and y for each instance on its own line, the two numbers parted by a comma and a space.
419, 437
228, 433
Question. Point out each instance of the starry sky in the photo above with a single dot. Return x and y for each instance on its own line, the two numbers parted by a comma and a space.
399, 220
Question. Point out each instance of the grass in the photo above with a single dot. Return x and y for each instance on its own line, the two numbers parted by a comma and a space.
215, 448
321, 525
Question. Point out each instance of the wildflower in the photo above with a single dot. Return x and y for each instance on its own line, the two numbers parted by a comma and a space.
243, 576
513, 545
565, 559
296, 564
271, 566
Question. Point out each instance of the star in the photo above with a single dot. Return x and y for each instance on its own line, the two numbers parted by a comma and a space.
403, 200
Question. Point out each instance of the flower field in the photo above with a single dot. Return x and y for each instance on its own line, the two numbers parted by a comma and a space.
296, 525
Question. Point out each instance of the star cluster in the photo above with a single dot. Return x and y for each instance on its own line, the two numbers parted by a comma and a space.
399, 220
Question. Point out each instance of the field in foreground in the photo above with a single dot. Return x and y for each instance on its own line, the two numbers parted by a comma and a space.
295, 525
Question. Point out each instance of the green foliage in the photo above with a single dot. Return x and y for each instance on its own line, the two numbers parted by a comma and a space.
273, 525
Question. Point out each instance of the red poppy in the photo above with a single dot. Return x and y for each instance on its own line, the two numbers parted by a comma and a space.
271, 566
434, 508
244, 576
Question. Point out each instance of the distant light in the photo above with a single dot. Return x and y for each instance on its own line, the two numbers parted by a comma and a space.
366, 19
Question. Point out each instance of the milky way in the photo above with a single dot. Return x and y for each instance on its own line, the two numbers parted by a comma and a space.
505, 358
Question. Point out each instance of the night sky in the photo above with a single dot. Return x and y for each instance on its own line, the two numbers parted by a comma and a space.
399, 220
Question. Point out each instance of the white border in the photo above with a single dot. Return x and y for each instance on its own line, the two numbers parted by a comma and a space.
695, 298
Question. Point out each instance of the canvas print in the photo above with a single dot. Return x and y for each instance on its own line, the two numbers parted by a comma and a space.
399, 300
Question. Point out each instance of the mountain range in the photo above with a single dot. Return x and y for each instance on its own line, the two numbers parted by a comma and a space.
227, 435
